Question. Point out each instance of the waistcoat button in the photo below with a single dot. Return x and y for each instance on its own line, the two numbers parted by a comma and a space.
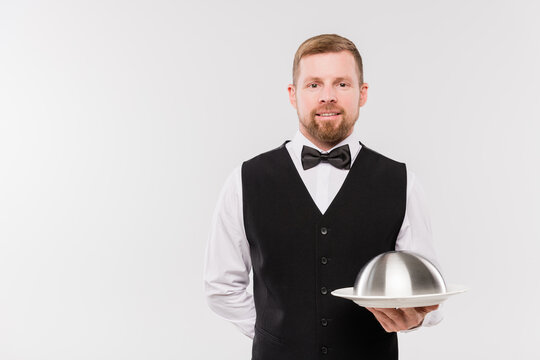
324, 350
324, 231
324, 322
324, 290
324, 260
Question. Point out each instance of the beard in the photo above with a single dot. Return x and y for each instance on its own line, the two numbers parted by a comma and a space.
330, 132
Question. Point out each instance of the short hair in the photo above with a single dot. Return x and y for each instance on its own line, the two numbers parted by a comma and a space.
327, 43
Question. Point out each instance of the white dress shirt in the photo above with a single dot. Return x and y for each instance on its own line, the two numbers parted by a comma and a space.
227, 259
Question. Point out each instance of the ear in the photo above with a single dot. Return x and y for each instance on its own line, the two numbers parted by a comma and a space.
363, 94
292, 94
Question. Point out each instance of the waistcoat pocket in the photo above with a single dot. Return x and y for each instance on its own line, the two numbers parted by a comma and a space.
266, 335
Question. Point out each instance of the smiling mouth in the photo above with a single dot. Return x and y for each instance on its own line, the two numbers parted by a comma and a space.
328, 115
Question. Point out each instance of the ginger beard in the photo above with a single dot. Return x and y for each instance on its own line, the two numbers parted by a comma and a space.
329, 131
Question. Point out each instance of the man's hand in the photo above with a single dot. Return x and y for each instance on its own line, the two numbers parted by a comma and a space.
401, 319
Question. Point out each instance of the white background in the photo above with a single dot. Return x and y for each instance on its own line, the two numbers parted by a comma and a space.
120, 120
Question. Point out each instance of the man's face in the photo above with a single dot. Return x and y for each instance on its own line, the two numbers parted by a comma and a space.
327, 97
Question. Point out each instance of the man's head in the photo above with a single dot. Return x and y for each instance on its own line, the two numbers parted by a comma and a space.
327, 79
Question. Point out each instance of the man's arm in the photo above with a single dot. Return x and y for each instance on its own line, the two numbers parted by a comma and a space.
415, 235
227, 260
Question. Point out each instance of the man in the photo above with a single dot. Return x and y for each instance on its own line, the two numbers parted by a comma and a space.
307, 216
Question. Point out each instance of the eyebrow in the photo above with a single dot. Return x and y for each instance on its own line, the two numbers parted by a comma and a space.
314, 78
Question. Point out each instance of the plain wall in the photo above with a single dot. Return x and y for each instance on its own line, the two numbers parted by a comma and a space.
120, 120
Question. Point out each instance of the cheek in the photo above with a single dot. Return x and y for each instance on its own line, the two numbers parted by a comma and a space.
351, 104
305, 103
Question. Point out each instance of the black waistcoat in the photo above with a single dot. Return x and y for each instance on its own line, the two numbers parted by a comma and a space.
300, 255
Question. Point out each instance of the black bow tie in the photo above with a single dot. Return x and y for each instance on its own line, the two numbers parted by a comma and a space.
339, 157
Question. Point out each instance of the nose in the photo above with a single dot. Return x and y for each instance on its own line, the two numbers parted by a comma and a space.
327, 95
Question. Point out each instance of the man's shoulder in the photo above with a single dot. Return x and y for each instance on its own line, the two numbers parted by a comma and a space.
270, 155
380, 156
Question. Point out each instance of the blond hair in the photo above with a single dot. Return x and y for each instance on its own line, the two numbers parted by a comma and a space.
327, 43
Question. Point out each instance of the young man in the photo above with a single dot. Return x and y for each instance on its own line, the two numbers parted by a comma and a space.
307, 216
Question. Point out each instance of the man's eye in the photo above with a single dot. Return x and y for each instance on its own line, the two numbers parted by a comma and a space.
342, 84
312, 86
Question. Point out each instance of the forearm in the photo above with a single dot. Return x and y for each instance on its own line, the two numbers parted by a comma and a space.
227, 260
236, 307
416, 235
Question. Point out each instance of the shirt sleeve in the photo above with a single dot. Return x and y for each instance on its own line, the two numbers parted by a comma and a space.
416, 235
227, 260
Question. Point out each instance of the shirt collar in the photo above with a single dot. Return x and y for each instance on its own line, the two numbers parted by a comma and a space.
353, 140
